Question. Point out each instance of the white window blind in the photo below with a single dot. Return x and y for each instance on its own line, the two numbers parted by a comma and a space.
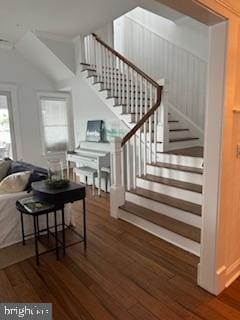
55, 127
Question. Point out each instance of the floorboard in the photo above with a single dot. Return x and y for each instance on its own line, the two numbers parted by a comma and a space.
124, 274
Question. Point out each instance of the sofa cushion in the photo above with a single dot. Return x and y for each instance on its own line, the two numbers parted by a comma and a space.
37, 174
15, 182
4, 167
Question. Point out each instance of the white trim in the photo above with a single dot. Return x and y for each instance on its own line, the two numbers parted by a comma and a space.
14, 110
67, 96
207, 277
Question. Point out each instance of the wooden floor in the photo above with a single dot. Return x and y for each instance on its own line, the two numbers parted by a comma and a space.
125, 274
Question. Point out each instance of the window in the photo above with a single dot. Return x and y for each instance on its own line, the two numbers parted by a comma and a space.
56, 134
6, 126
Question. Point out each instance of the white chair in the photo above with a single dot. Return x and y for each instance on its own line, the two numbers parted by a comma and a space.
88, 173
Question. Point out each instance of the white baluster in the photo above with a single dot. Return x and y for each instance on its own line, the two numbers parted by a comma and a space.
145, 129
155, 136
150, 126
97, 61
100, 62
124, 84
119, 81
127, 90
123, 166
134, 159
140, 152
136, 98
115, 76
128, 164
141, 95
131, 91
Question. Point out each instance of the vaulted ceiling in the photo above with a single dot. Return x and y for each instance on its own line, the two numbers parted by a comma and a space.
67, 18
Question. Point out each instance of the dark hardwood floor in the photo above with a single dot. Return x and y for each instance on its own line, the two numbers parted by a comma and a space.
125, 274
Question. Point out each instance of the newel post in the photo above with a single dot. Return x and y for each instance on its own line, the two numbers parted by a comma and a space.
117, 190
79, 52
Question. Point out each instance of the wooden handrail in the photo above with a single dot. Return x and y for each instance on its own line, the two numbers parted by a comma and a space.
129, 135
141, 122
130, 64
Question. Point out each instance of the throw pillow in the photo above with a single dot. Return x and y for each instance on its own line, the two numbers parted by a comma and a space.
4, 166
15, 182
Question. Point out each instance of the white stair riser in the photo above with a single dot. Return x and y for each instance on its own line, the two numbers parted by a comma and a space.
172, 117
175, 125
175, 174
182, 194
180, 160
179, 134
89, 73
165, 209
162, 233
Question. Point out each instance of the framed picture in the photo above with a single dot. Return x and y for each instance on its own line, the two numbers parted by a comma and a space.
94, 130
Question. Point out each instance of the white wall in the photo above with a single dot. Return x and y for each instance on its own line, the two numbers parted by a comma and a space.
88, 106
164, 49
28, 80
185, 32
62, 48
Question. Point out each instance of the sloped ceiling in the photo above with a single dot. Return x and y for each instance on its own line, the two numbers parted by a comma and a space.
67, 18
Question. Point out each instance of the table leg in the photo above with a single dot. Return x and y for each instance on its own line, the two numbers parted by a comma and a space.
84, 224
23, 234
47, 221
63, 230
38, 233
56, 235
36, 238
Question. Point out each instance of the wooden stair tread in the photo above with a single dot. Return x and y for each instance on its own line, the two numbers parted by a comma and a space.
178, 227
88, 69
188, 152
177, 167
178, 130
183, 139
173, 183
168, 200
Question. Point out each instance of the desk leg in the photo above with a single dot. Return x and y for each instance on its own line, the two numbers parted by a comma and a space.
56, 235
63, 230
99, 182
23, 234
36, 238
84, 224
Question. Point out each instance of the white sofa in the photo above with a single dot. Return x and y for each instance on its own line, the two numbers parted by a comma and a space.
10, 222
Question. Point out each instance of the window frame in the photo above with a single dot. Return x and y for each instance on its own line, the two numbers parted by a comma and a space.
56, 96
10, 90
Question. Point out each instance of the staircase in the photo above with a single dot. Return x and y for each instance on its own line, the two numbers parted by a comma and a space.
157, 183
